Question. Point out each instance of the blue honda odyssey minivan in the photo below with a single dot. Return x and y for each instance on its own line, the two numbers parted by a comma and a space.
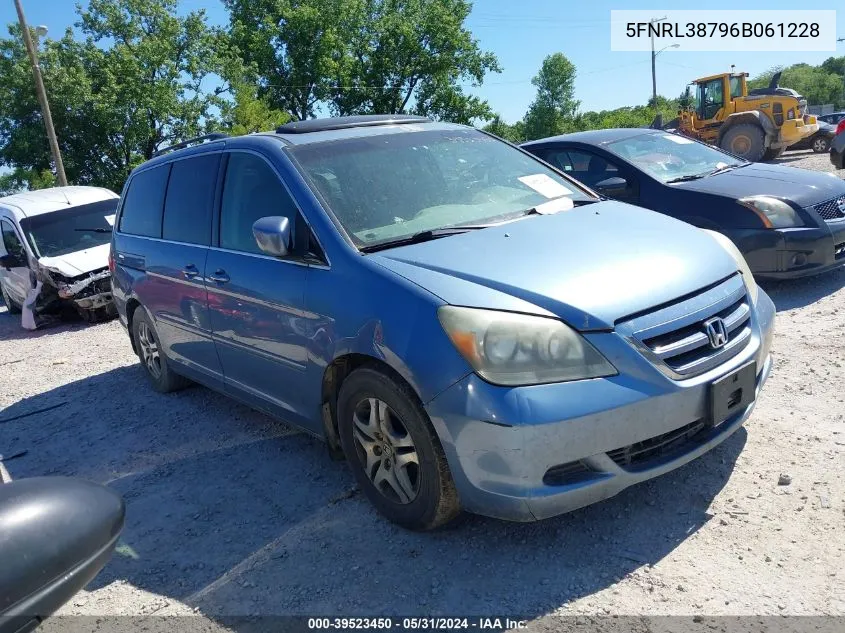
470, 328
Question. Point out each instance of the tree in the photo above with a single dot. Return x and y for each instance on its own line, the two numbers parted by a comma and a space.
362, 56
514, 133
134, 84
554, 107
292, 47
835, 65
248, 113
817, 84
412, 55
685, 99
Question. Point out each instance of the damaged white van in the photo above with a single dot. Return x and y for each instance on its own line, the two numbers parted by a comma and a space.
54, 252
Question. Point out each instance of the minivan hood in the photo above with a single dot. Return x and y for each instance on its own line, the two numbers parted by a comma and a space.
589, 266
802, 186
78, 262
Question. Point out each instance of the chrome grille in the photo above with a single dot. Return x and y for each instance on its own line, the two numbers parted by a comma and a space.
830, 209
675, 337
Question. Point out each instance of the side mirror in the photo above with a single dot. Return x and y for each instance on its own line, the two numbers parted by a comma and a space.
8, 261
58, 533
612, 187
272, 235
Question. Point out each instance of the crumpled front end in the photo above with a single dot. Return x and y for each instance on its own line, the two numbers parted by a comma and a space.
89, 292
54, 294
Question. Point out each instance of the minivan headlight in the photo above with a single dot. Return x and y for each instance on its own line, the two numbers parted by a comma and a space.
517, 349
726, 243
774, 213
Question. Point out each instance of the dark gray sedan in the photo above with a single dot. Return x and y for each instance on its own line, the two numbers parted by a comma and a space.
787, 222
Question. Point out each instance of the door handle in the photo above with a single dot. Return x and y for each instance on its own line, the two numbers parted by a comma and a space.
219, 276
190, 271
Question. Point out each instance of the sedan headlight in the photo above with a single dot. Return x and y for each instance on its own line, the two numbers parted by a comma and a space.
774, 213
516, 349
733, 251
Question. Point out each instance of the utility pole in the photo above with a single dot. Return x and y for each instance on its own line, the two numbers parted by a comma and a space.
42, 97
842, 39
653, 58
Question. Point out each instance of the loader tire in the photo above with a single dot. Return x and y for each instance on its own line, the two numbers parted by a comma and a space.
746, 140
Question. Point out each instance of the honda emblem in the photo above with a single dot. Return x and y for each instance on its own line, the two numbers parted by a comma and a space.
716, 332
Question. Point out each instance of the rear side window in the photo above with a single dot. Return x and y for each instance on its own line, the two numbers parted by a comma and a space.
144, 202
251, 191
189, 201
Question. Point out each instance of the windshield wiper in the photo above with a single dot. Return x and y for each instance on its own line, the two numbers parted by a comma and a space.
422, 236
718, 170
688, 177
97, 229
722, 170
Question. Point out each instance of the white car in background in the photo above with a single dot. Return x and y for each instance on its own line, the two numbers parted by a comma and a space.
57, 240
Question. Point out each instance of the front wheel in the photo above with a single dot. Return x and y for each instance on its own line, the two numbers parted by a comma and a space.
394, 452
820, 145
746, 140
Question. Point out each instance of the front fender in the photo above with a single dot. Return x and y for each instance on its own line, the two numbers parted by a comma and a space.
379, 314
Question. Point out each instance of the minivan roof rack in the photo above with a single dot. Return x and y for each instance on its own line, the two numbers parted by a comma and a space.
345, 122
215, 136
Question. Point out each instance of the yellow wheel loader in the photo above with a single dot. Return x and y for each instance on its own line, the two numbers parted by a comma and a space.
757, 125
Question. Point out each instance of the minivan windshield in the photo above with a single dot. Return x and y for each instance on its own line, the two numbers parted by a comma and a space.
389, 186
673, 158
70, 230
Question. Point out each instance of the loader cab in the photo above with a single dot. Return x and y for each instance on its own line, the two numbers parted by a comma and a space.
710, 98
716, 93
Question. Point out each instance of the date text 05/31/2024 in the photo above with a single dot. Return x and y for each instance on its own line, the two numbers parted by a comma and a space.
722, 29
417, 624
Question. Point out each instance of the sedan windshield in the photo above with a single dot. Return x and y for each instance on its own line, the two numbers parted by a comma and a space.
673, 158
390, 186
70, 230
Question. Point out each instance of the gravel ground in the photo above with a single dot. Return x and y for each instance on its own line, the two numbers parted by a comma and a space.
231, 513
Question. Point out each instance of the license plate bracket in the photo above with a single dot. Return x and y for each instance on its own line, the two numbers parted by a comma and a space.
732, 393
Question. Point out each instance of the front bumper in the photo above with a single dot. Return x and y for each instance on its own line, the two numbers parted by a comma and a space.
502, 443
792, 253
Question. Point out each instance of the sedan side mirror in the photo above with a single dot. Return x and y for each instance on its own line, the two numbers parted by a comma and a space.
612, 187
272, 234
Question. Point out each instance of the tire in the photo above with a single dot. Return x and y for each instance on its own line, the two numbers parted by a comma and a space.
418, 496
11, 306
772, 154
820, 145
746, 140
156, 366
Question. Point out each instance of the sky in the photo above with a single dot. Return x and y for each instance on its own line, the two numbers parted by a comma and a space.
522, 33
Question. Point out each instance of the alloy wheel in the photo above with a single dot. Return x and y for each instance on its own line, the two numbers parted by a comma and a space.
386, 450
149, 350
820, 145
